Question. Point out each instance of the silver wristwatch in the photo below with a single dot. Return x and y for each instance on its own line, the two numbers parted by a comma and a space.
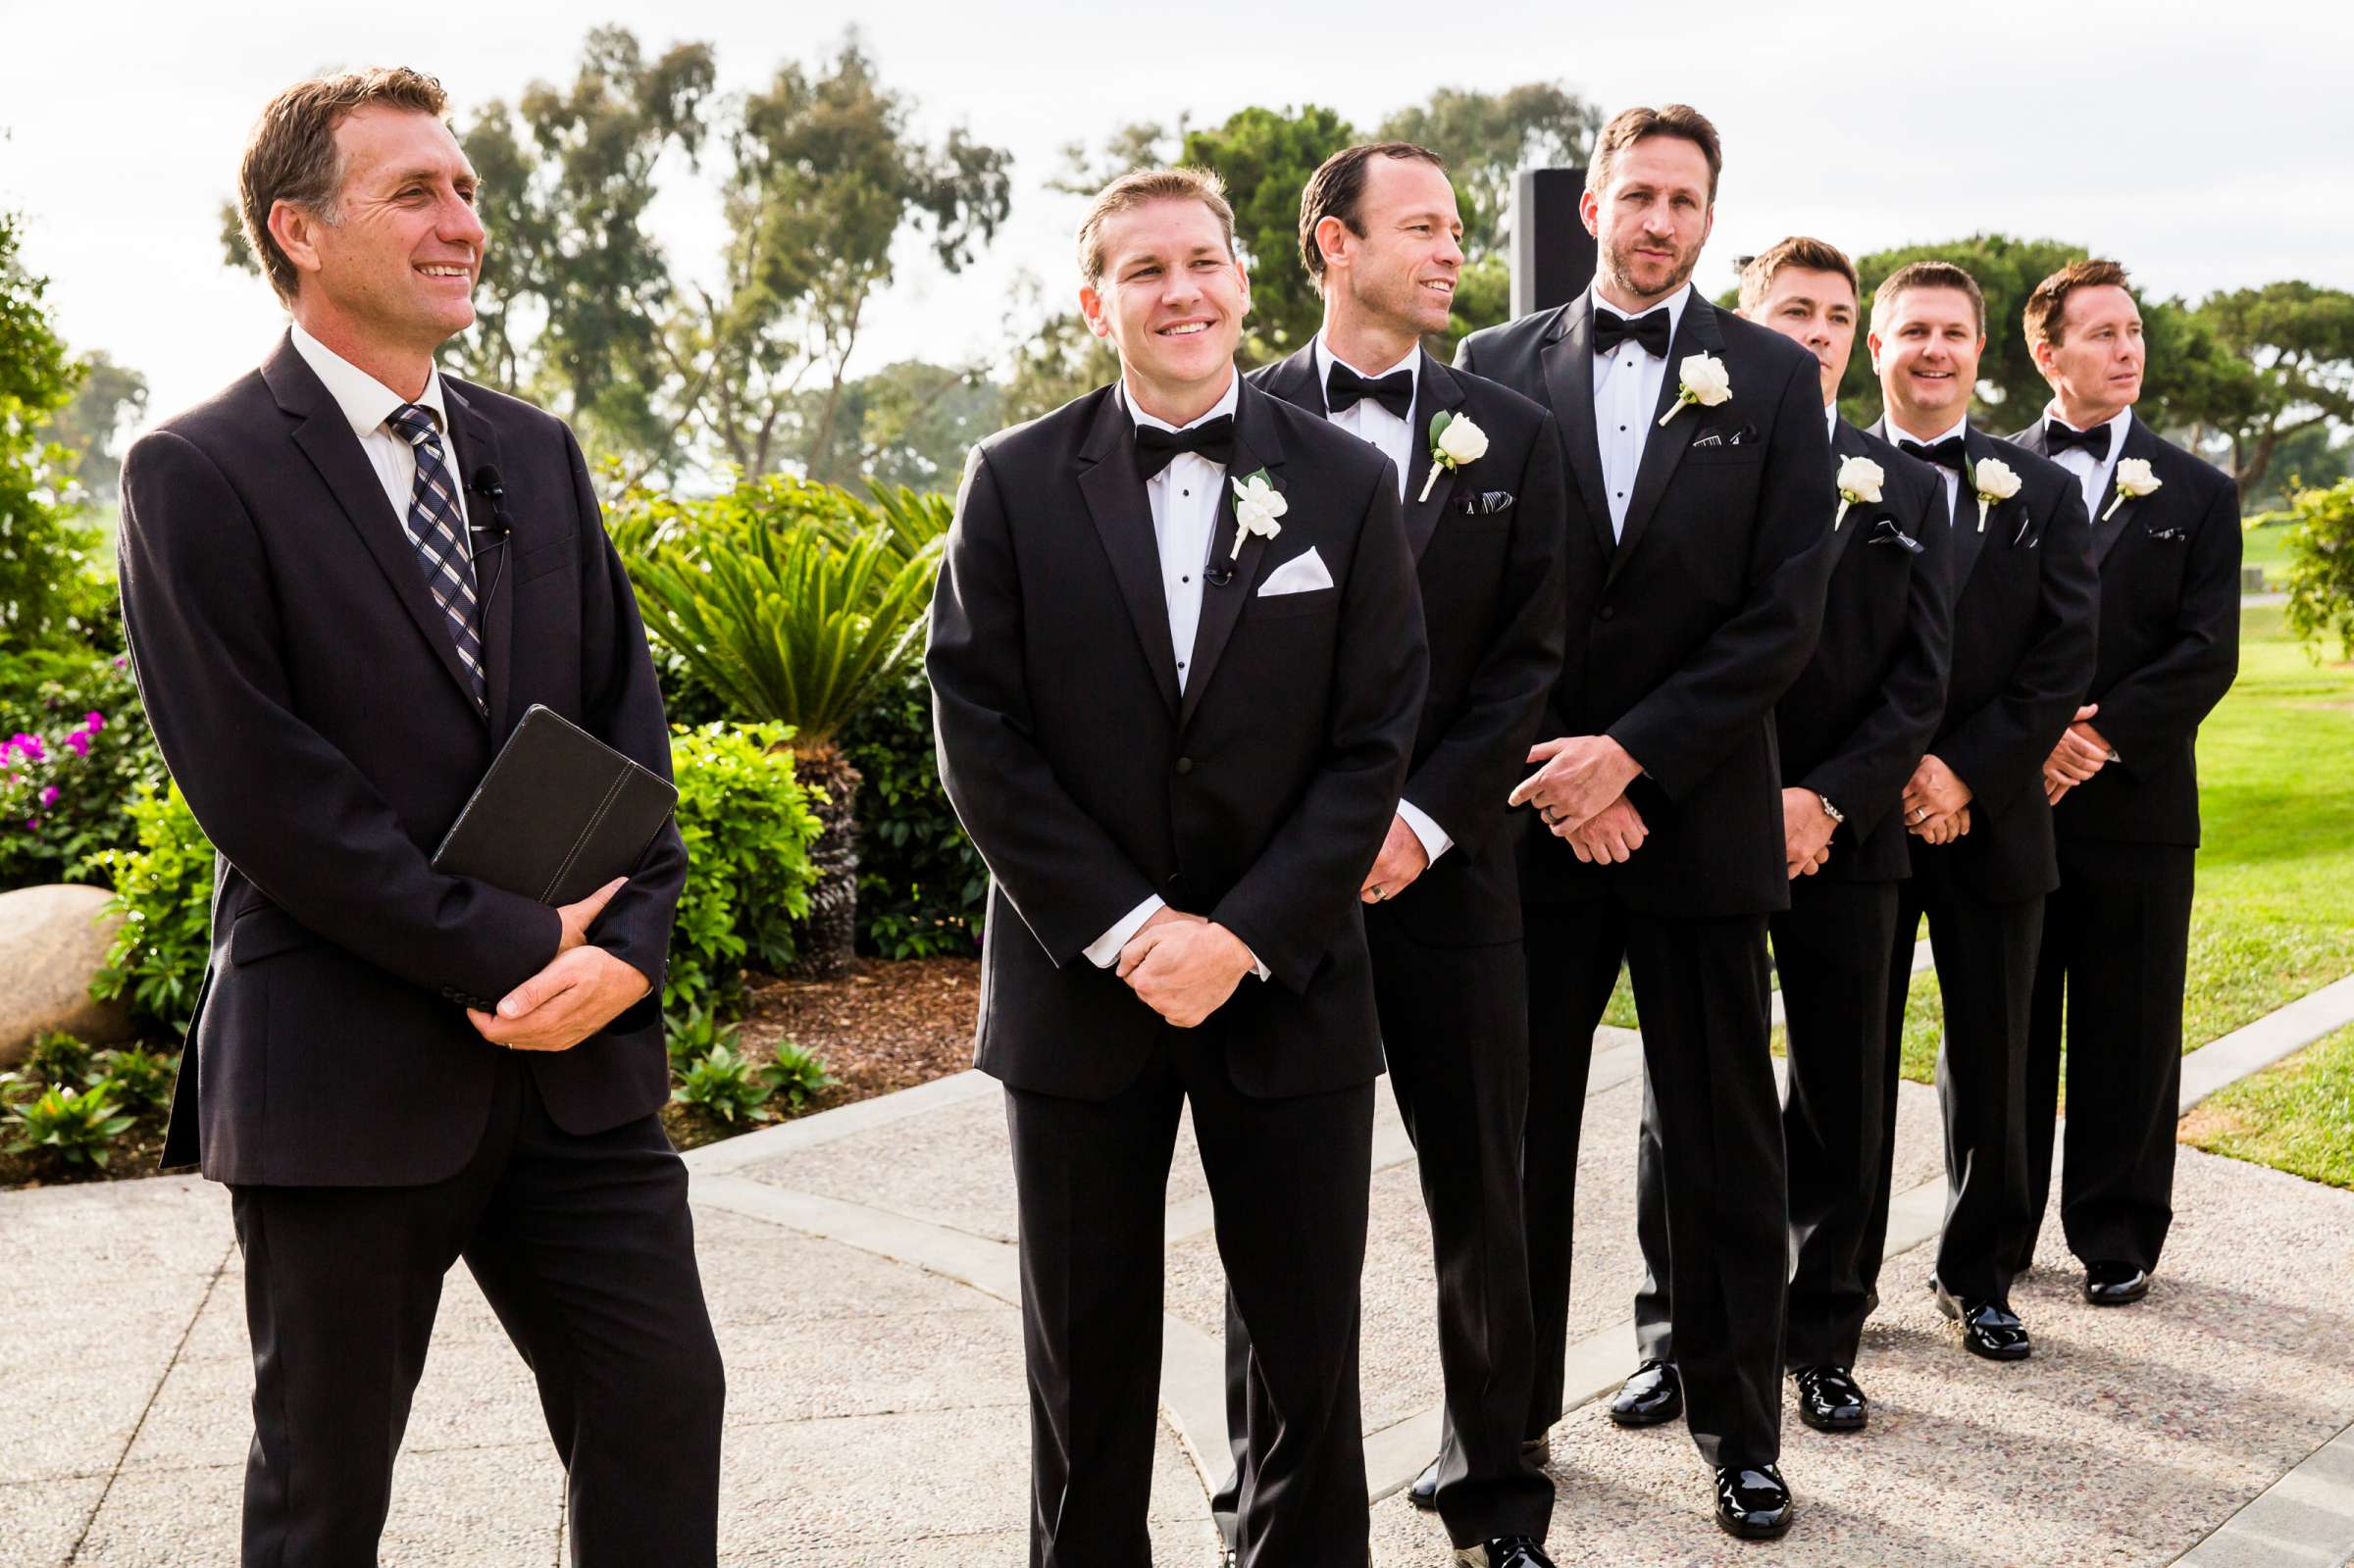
1830, 810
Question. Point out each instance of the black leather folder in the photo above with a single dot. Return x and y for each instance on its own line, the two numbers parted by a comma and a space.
559, 815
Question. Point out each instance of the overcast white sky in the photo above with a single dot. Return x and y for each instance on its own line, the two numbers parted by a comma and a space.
2206, 145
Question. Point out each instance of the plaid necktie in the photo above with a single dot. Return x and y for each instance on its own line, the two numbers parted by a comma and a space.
437, 528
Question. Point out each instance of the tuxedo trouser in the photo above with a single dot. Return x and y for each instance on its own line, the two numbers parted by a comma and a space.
2116, 947
1985, 953
1701, 987
1289, 1184
1455, 1033
583, 1246
1832, 950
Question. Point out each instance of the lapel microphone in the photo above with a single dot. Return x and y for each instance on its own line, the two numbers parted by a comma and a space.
487, 484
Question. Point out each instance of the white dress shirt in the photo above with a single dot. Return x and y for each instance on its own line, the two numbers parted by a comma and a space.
2093, 472
1369, 421
1626, 394
368, 403
1830, 421
1953, 481
1184, 497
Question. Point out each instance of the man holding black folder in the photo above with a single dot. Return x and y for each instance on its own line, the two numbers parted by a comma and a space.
345, 579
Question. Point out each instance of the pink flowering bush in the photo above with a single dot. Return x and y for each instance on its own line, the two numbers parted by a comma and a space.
74, 751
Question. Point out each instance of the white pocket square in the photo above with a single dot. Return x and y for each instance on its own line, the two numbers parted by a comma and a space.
1300, 574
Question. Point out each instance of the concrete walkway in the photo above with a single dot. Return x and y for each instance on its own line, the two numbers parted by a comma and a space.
861, 1270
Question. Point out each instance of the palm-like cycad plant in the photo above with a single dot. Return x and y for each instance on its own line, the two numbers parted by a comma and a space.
795, 602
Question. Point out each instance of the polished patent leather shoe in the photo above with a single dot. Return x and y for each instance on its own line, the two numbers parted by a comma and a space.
1424, 1492
2115, 1284
1989, 1328
1506, 1552
1655, 1394
1753, 1503
1828, 1400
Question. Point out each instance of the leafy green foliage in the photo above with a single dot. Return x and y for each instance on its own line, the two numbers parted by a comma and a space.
57, 1057
42, 579
74, 1125
108, 401
2294, 343
139, 1078
794, 1074
725, 1085
2321, 568
75, 751
748, 827
1265, 157
922, 887
164, 890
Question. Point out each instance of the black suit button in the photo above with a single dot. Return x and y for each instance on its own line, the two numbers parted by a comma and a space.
1606, 613
1175, 885
1185, 765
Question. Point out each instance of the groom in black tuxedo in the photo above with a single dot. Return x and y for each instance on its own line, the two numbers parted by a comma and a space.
1379, 233
1851, 730
1177, 664
1698, 550
2024, 601
345, 579
2124, 785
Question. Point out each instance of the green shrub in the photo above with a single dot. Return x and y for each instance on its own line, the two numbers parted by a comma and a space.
76, 1125
141, 1080
2321, 568
747, 825
58, 1058
922, 887
75, 751
794, 1074
725, 1085
164, 890
697, 1032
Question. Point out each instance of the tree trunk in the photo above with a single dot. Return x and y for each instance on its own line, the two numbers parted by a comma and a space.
829, 938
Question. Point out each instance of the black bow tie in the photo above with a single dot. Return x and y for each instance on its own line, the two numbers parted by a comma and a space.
2058, 437
1344, 389
1212, 439
1948, 453
1651, 329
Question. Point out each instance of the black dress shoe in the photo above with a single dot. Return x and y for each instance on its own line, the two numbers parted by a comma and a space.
1655, 1394
1989, 1328
1424, 1492
1753, 1501
2115, 1284
1828, 1400
1506, 1552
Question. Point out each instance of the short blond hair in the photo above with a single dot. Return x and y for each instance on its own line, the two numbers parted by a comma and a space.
1928, 274
291, 156
1137, 187
1808, 255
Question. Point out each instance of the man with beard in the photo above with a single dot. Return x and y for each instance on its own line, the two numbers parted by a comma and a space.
1851, 730
1177, 662
2024, 600
1698, 546
1378, 233
2124, 784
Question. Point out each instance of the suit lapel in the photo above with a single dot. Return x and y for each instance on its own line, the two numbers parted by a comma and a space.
325, 437
1664, 446
2106, 535
1846, 442
1257, 445
1123, 517
1568, 361
473, 444
1436, 390
1294, 379
1961, 525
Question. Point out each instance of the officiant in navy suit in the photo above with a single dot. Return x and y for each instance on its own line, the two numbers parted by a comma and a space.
1177, 663
345, 579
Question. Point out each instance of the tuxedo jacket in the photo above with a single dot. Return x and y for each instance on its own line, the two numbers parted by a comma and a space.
2027, 602
309, 701
1854, 723
1684, 633
2168, 641
1258, 798
1487, 544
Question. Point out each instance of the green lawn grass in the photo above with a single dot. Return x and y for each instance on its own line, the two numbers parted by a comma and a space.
2268, 547
2296, 1117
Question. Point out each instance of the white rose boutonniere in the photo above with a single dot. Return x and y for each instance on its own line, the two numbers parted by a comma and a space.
1701, 379
1859, 480
1453, 441
1993, 481
2133, 482
1257, 506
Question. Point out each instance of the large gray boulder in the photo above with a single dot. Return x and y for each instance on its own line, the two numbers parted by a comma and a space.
52, 940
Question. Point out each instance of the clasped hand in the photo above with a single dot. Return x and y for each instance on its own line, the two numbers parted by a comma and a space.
1806, 830
1582, 777
582, 989
1402, 859
1184, 967
2082, 752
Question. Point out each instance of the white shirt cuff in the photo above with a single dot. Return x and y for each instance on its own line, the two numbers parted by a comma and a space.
1435, 842
1104, 950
